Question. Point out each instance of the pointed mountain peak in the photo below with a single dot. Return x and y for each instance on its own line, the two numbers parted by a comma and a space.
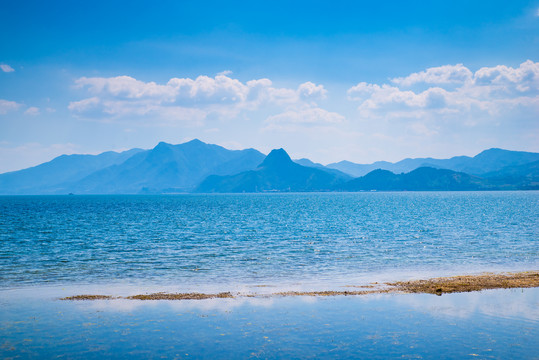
162, 145
490, 152
160, 150
277, 157
195, 142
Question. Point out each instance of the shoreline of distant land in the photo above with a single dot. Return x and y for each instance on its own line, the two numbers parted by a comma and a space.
436, 286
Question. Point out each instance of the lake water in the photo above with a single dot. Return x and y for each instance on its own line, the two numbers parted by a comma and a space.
326, 238
54, 246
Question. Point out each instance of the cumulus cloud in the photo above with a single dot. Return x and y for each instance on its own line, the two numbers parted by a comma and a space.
6, 68
310, 90
447, 74
7, 106
506, 80
388, 97
454, 92
186, 99
125, 87
205, 89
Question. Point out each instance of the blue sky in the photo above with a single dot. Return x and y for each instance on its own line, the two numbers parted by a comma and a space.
361, 81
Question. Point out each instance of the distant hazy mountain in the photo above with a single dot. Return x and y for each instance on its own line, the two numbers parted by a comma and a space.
524, 176
309, 163
49, 177
165, 168
357, 170
496, 159
168, 168
276, 173
421, 179
487, 161
197, 166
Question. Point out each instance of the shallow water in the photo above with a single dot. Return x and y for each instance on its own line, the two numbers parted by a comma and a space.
204, 240
499, 324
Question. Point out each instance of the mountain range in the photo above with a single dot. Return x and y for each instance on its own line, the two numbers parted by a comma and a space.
195, 166
165, 168
485, 162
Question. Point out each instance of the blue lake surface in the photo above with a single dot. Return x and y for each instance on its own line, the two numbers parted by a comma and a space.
263, 238
54, 246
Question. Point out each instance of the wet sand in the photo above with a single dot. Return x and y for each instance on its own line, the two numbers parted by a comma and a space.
436, 286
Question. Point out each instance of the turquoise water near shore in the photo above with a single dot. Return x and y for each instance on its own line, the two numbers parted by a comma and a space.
204, 240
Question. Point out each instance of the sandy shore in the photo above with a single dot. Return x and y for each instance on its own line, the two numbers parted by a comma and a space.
437, 286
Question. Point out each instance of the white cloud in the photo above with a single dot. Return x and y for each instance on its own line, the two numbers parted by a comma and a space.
386, 97
220, 89
125, 87
186, 99
7, 106
6, 68
509, 81
489, 94
32, 111
312, 91
447, 74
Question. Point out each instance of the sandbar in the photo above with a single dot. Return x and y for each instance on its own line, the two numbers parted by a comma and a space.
436, 286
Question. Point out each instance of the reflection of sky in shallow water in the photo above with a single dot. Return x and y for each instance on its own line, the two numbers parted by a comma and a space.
509, 304
499, 324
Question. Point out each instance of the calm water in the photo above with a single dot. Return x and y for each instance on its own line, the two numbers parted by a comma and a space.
59, 246
496, 324
270, 238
